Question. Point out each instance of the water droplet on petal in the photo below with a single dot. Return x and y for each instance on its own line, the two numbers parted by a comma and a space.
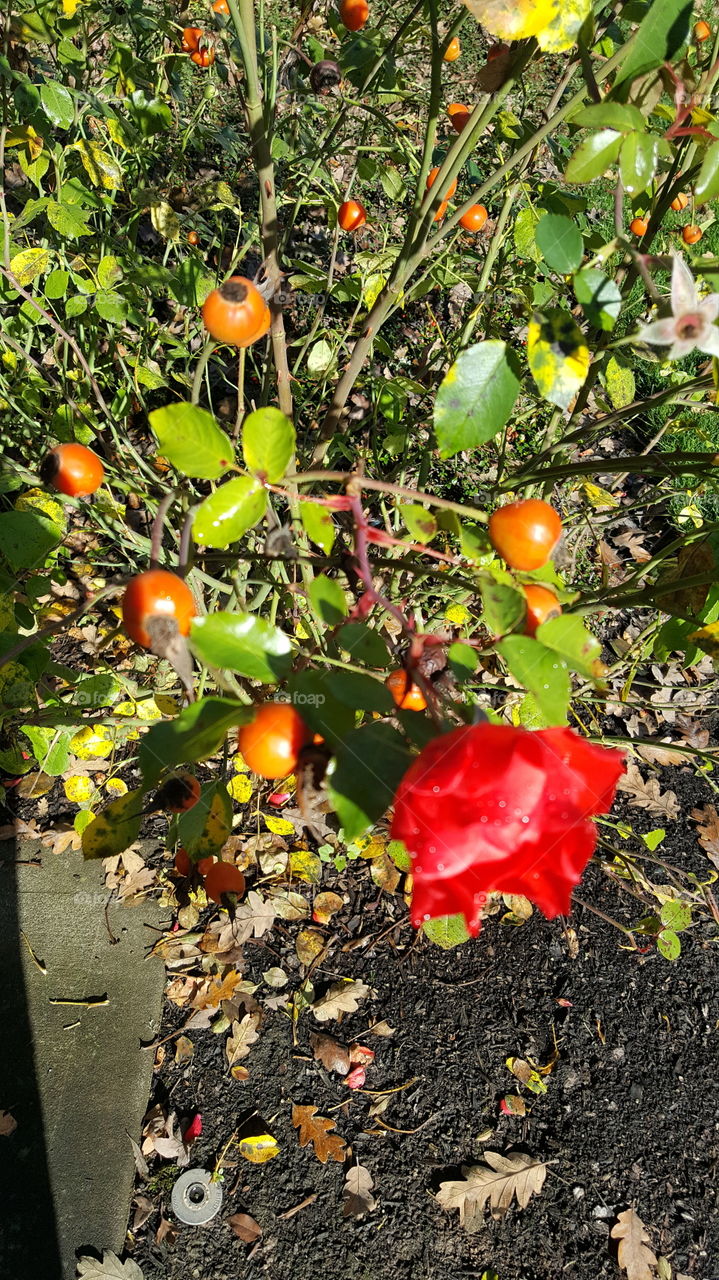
440, 866
483, 818
436, 790
502, 804
525, 819
426, 915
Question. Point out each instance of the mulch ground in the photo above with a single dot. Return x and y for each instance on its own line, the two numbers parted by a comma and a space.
630, 1115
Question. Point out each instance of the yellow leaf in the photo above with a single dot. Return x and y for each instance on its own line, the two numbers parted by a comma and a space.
240, 788
23, 135
239, 765
78, 789
707, 639
91, 744
555, 23
165, 220
558, 356
598, 497
309, 945
45, 505
457, 614
303, 864
325, 906
278, 826
116, 787
28, 264
70, 7
259, 1148
101, 168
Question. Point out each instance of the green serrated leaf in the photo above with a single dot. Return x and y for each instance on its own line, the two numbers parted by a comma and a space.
599, 297
542, 672
318, 525
560, 243
420, 522
195, 734
365, 774
594, 156
57, 104
638, 162
328, 600
446, 931
707, 184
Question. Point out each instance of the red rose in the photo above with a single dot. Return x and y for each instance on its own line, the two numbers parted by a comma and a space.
489, 807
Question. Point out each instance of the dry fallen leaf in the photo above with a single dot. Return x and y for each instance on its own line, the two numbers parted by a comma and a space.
8, 1124
245, 1227
648, 795
316, 1130
333, 1055
358, 1198
496, 1182
635, 1256
342, 997
184, 1049
383, 1029
109, 1269
708, 831
145, 1209
241, 1038
166, 1232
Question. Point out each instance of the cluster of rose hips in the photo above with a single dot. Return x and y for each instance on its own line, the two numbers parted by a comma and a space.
691, 233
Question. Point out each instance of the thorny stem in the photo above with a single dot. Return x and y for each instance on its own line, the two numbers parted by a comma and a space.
158, 527
243, 17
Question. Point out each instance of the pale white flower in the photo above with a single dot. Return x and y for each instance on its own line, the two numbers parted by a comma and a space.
691, 325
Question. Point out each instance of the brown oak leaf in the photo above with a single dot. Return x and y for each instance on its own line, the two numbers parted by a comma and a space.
708, 831
316, 1130
635, 1256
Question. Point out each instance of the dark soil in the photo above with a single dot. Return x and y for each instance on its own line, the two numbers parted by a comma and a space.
630, 1116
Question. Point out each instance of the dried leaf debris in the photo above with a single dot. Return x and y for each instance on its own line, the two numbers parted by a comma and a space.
495, 1183
358, 1199
635, 1256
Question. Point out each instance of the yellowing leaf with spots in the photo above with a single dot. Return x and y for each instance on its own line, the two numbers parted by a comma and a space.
558, 356
304, 865
259, 1148
309, 945
598, 497
239, 763
116, 787
45, 505
92, 744
240, 788
555, 23
115, 828
78, 789
707, 639
204, 828
27, 265
325, 906
101, 168
165, 220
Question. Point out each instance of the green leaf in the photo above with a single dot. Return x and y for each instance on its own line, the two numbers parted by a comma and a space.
504, 606
707, 184
151, 115
328, 600
525, 226
366, 772
50, 747
463, 660
446, 931
363, 644
476, 397
191, 440
190, 283
568, 636
558, 356
197, 733
244, 643
115, 828
57, 104
56, 285
560, 242
540, 671
420, 522
599, 297
318, 525
676, 915
268, 443
206, 827
76, 305
392, 183
668, 944
109, 271
594, 156
660, 37
619, 116
111, 306
320, 709
229, 512
26, 539
638, 162
320, 359
361, 692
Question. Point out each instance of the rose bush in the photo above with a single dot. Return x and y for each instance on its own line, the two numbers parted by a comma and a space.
492, 808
